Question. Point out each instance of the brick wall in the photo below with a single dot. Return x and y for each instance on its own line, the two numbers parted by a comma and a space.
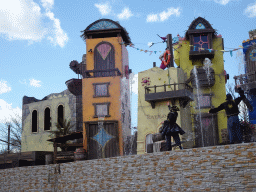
218, 168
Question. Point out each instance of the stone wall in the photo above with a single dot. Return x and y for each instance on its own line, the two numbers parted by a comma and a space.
218, 168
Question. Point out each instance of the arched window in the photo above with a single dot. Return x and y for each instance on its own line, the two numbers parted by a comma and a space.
34, 121
104, 58
60, 115
47, 119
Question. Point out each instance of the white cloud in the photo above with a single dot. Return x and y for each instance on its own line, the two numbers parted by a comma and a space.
4, 87
59, 36
134, 83
250, 10
24, 21
152, 18
104, 9
171, 11
126, 14
163, 15
47, 4
34, 83
222, 2
6, 111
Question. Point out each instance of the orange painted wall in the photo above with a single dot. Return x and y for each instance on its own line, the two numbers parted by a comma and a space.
114, 88
115, 41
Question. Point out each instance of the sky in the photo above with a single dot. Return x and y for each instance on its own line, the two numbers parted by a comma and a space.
39, 38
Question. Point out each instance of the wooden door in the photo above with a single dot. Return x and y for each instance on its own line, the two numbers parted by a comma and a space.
206, 130
103, 140
104, 58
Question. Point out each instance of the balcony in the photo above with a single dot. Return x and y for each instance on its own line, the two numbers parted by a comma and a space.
181, 91
195, 55
74, 86
246, 81
102, 73
206, 77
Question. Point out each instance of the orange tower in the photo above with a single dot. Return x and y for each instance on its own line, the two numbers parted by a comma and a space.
105, 89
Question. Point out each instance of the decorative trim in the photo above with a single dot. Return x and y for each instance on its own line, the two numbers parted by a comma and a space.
103, 24
200, 26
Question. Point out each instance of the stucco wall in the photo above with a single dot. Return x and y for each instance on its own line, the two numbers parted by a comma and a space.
115, 90
38, 141
219, 168
150, 119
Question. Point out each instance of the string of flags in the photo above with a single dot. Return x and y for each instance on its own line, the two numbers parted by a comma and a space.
210, 50
142, 50
195, 47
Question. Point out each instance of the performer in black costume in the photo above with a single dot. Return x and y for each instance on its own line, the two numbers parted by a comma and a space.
171, 128
232, 111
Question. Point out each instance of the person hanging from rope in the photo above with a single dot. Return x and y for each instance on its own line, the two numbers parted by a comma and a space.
171, 129
232, 111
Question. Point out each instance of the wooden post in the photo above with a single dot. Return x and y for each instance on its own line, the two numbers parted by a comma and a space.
9, 130
54, 152
169, 45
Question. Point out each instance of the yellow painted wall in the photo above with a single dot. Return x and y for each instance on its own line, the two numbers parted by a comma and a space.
38, 141
149, 119
114, 87
181, 57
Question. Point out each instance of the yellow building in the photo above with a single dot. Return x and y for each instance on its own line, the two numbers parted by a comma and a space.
105, 89
199, 43
155, 88
201, 67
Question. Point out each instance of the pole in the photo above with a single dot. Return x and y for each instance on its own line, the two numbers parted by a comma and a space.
169, 45
9, 128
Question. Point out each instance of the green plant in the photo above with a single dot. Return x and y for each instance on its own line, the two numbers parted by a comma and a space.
63, 128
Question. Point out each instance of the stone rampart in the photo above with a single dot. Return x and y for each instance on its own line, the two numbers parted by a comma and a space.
218, 168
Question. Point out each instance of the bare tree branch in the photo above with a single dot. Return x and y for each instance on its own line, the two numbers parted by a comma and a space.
15, 123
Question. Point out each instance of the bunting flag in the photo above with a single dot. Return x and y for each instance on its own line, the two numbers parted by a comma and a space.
194, 48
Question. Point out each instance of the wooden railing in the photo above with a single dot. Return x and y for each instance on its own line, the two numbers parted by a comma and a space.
173, 87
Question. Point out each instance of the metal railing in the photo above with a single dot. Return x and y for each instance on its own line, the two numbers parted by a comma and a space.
173, 87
